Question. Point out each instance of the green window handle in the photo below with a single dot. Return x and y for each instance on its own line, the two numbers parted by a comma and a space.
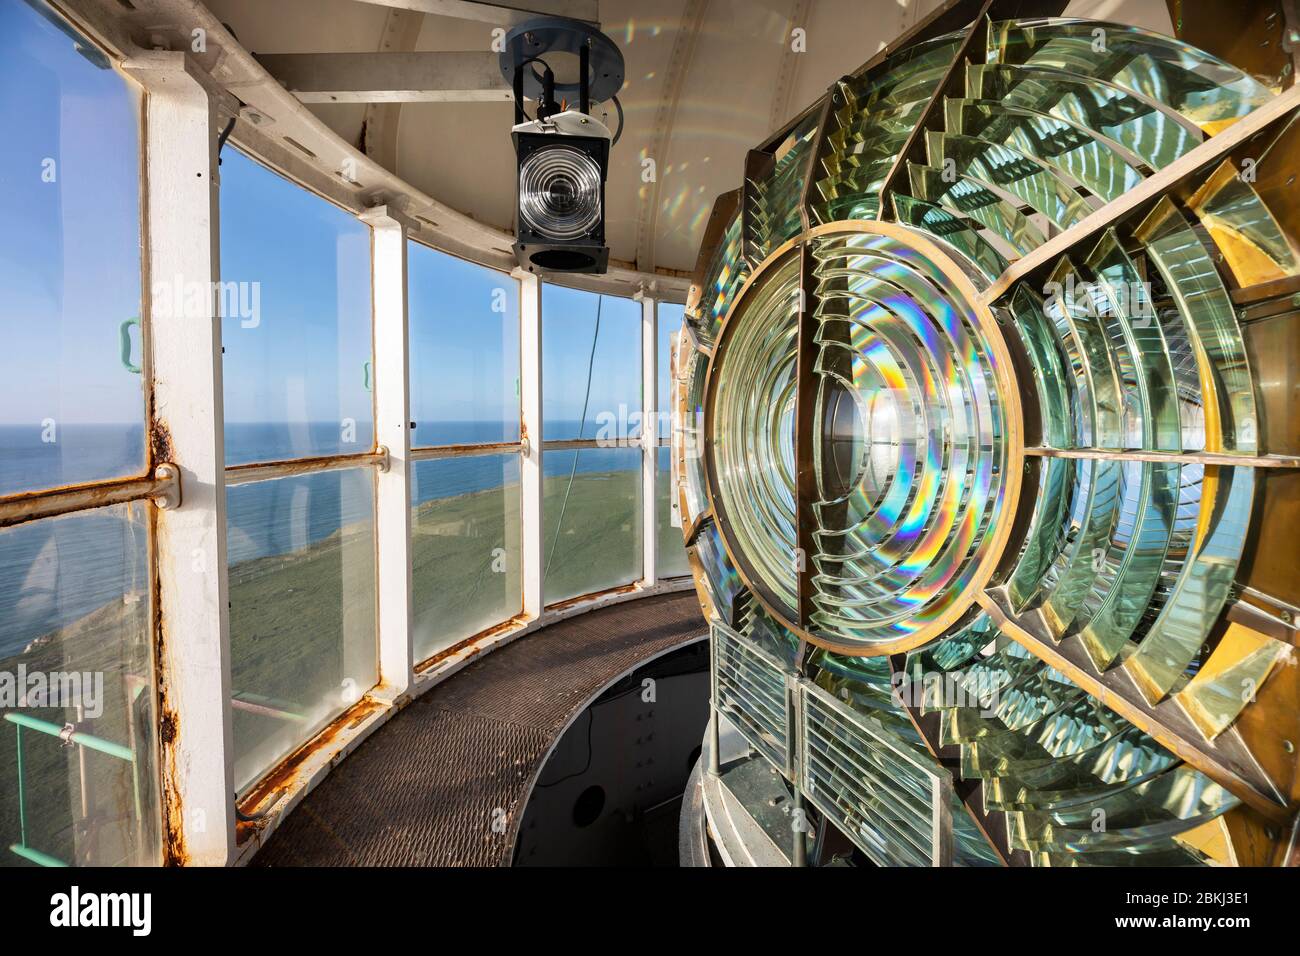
365, 374
124, 338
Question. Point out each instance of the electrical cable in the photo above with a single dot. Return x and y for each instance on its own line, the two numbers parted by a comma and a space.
591, 719
224, 135
618, 106
591, 364
523, 63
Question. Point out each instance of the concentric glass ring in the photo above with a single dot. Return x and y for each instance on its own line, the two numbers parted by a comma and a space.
910, 442
559, 192
752, 435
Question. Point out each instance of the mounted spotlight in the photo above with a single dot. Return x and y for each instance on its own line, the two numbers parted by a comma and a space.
563, 153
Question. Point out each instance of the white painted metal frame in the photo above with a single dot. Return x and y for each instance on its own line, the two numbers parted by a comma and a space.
649, 438
388, 232
182, 247
532, 533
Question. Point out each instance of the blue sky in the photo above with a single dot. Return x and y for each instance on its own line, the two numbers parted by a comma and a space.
303, 357
71, 270
568, 324
464, 322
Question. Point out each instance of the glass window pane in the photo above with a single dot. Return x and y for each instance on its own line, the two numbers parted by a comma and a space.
591, 510
464, 350
606, 382
302, 609
76, 648
670, 547
71, 404
669, 324
295, 300
465, 560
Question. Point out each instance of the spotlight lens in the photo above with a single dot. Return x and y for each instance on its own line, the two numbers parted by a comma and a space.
559, 192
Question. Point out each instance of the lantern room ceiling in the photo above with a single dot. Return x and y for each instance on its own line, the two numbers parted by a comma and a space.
706, 81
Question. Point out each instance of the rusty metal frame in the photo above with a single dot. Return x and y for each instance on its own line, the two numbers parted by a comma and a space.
292, 468
163, 489
439, 452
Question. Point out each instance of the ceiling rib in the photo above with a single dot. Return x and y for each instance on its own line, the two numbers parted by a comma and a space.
679, 64
501, 14
379, 128
432, 77
800, 13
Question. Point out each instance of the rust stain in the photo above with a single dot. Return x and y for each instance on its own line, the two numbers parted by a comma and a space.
472, 643
52, 502
167, 728
173, 818
260, 470
583, 598
160, 441
288, 774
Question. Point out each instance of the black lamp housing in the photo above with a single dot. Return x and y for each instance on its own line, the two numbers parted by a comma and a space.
539, 249
562, 152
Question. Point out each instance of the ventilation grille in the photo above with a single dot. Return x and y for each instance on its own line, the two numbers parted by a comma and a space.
752, 690
895, 808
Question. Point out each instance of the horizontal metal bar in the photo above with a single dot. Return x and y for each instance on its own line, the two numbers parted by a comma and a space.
74, 736
574, 444
1169, 457
267, 471
164, 488
436, 452
506, 14
1265, 291
36, 856
423, 77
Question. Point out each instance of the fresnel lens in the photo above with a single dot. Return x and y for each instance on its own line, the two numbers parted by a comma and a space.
987, 441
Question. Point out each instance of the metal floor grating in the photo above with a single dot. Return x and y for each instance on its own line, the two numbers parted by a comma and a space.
426, 789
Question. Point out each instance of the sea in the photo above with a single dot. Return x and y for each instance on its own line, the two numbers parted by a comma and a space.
56, 571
